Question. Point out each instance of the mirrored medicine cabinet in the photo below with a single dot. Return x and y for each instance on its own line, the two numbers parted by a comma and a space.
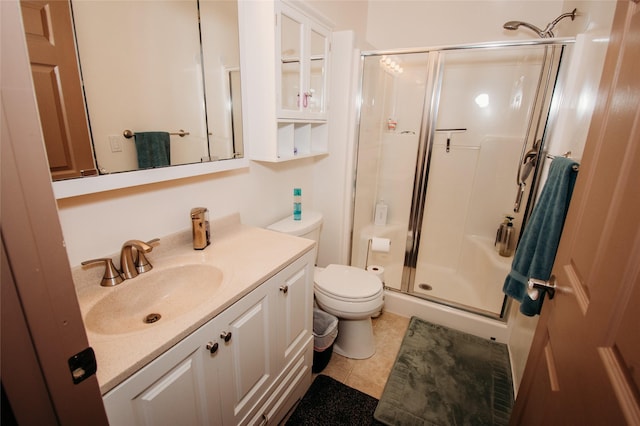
159, 66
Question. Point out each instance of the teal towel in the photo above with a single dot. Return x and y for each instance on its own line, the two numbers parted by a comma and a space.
153, 149
537, 248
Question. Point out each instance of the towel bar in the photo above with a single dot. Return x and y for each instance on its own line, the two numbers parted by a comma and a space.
576, 167
129, 133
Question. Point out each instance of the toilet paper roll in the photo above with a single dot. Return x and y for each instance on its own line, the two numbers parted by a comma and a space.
377, 270
380, 244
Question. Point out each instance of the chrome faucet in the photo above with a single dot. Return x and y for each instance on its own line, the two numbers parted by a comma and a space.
128, 264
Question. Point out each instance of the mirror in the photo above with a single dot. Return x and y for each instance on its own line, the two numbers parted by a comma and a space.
149, 67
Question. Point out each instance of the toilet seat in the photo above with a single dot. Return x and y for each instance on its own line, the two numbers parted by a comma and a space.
348, 284
348, 292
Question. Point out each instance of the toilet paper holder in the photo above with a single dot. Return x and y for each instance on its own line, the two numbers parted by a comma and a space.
369, 249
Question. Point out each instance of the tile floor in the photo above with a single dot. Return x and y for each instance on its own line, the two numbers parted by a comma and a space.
370, 375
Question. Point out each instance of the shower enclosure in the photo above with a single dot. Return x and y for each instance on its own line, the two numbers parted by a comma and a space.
449, 139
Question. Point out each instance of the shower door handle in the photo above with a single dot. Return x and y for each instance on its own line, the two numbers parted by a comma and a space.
518, 203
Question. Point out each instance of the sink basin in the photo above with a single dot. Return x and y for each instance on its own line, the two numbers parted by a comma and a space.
154, 298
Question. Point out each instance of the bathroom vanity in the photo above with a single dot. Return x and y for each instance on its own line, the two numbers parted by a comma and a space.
241, 355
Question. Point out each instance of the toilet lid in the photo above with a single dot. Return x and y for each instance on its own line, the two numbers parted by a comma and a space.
348, 282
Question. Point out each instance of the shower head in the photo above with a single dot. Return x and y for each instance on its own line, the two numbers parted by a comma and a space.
514, 25
548, 31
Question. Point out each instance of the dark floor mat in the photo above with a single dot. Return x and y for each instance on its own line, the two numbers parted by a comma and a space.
329, 402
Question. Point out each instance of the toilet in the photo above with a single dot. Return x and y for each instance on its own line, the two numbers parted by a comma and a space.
351, 294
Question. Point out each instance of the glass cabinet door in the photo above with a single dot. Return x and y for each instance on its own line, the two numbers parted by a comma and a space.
291, 65
317, 69
303, 57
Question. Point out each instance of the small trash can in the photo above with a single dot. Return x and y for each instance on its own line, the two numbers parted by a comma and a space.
325, 331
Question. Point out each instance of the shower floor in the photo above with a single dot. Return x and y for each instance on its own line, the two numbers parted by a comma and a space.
448, 285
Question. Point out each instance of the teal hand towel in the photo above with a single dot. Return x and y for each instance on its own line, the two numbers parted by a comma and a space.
537, 248
153, 149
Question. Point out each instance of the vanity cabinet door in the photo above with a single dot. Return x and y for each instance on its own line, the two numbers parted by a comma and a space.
294, 320
271, 347
180, 387
250, 368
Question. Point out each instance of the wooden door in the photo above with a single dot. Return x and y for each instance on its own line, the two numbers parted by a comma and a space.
56, 77
36, 279
584, 366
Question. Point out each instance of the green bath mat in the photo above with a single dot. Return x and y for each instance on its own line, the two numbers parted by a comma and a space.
445, 377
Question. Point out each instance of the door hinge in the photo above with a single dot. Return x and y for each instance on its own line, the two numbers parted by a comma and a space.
83, 365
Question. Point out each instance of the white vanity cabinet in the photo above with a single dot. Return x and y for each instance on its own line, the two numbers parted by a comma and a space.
287, 70
247, 365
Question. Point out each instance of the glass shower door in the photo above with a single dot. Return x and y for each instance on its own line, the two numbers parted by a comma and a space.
394, 89
487, 113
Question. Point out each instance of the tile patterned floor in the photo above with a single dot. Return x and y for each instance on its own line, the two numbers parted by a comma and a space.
370, 375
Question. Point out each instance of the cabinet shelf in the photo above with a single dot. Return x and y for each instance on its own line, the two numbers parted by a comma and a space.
299, 139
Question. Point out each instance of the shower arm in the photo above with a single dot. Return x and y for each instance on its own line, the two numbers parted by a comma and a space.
548, 30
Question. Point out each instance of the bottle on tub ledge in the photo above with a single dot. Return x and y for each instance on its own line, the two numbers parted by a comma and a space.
504, 237
297, 203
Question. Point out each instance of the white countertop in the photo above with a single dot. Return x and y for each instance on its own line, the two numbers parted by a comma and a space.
248, 256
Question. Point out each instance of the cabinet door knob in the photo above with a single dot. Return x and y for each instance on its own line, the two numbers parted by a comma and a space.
284, 288
226, 335
212, 347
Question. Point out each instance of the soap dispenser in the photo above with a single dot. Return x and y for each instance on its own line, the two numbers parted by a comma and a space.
200, 227
504, 237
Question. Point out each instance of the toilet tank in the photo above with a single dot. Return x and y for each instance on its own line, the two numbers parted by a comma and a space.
308, 227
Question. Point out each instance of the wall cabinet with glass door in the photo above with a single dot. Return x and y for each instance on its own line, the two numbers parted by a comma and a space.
301, 61
303, 49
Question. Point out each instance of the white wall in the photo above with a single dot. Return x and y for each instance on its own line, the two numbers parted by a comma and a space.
345, 15
399, 24
333, 173
96, 225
